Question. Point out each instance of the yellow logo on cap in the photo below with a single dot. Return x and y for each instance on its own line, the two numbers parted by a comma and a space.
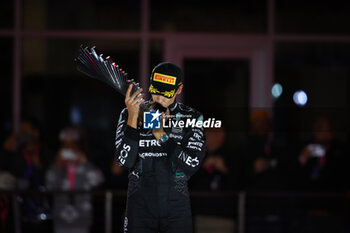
168, 93
153, 90
167, 79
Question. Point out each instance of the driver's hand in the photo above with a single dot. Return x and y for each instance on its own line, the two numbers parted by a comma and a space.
133, 104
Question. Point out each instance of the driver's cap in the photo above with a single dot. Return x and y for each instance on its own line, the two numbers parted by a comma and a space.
166, 78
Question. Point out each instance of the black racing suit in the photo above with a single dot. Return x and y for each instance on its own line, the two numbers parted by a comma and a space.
158, 197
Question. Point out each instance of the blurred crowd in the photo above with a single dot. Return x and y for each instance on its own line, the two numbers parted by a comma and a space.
28, 165
257, 164
260, 164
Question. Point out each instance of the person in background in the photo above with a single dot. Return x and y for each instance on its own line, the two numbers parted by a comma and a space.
321, 166
215, 175
7, 183
25, 157
259, 158
322, 160
214, 172
24, 160
259, 170
72, 171
118, 180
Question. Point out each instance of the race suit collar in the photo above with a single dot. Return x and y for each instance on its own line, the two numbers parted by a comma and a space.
172, 106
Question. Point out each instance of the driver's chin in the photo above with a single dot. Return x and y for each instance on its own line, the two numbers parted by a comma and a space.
161, 103
159, 100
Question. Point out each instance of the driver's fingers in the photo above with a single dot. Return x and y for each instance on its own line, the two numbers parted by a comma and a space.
140, 101
136, 93
127, 95
137, 99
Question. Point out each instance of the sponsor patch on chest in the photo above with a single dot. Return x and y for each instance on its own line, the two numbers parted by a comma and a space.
148, 142
152, 154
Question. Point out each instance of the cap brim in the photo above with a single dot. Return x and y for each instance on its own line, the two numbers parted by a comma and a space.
155, 89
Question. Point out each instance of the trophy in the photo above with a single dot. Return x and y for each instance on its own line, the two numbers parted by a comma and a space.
104, 69
107, 71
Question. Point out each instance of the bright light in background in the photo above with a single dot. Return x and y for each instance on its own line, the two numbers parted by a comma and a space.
43, 216
300, 98
276, 90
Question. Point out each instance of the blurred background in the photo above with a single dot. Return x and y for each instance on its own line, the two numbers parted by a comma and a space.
275, 72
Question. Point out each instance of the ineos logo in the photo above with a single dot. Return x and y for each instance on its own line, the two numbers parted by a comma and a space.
193, 162
124, 154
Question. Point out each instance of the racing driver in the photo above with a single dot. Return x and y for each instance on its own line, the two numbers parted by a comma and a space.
160, 159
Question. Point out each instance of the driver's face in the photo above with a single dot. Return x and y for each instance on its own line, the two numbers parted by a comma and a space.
165, 102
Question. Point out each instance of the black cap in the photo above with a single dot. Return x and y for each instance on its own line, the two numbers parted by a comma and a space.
166, 78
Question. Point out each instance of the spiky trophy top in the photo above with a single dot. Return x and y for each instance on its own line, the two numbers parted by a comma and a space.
103, 69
